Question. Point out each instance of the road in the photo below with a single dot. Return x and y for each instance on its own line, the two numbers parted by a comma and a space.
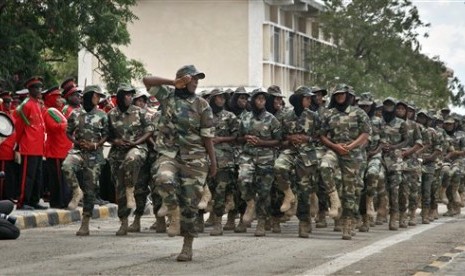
57, 251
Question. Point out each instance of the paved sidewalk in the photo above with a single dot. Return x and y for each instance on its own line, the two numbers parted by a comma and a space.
51, 217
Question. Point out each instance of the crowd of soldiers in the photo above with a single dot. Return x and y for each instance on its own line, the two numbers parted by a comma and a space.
247, 155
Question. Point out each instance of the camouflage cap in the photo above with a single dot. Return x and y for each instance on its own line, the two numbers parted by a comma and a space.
366, 99
423, 112
204, 93
390, 99
216, 92
341, 88
449, 120
94, 88
189, 70
275, 90
229, 91
124, 87
316, 89
303, 90
258, 91
411, 105
241, 90
141, 93
402, 102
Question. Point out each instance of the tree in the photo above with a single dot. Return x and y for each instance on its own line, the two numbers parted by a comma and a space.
376, 49
37, 35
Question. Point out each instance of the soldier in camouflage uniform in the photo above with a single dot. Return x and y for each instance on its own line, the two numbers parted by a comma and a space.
130, 127
88, 130
226, 129
428, 154
344, 130
454, 155
238, 104
259, 132
141, 190
186, 151
408, 189
298, 153
372, 183
394, 137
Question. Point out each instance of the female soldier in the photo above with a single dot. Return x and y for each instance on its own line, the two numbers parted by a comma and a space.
299, 132
260, 133
344, 130
130, 126
88, 130
185, 139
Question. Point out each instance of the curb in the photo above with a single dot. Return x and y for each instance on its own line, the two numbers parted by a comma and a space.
54, 217
440, 262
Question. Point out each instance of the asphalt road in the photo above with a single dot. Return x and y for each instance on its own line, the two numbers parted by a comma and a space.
57, 251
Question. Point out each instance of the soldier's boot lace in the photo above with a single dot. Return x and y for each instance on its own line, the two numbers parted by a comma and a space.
303, 229
393, 225
347, 229
260, 230
217, 227
365, 227
403, 220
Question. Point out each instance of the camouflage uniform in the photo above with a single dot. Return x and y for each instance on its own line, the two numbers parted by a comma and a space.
181, 170
126, 162
408, 190
86, 126
226, 125
428, 189
302, 158
256, 163
394, 133
344, 127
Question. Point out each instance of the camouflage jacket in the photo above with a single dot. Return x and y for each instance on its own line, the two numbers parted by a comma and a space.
376, 125
129, 125
226, 124
455, 142
431, 141
307, 123
88, 126
345, 127
393, 133
182, 125
266, 127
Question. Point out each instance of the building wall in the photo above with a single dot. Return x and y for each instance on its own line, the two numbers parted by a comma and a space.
212, 35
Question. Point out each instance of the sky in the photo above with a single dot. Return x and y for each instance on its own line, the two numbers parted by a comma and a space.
446, 34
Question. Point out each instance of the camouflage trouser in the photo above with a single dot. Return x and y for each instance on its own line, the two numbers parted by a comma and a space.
428, 191
256, 178
454, 175
125, 166
284, 167
87, 164
350, 179
180, 183
408, 189
323, 200
218, 186
381, 189
393, 181
144, 186
372, 174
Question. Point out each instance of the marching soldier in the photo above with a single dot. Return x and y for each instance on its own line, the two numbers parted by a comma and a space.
88, 130
129, 127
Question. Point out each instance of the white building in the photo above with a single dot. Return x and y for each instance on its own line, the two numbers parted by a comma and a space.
251, 43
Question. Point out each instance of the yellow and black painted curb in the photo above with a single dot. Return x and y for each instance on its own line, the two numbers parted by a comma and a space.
57, 216
440, 262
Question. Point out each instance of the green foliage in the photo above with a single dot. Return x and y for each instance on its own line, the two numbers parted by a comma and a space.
43, 38
376, 49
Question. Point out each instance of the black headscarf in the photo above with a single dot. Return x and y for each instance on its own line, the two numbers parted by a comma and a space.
87, 101
120, 100
389, 116
215, 108
234, 108
256, 112
182, 93
341, 107
269, 105
296, 101
314, 106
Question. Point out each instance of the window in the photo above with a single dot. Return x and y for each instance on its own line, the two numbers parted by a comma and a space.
276, 42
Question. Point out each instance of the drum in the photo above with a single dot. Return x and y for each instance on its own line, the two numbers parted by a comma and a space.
6, 125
